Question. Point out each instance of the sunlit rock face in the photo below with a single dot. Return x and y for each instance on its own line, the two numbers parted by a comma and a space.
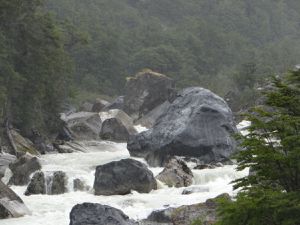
198, 123
146, 91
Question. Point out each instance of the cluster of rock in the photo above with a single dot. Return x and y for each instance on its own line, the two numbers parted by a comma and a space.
193, 123
97, 214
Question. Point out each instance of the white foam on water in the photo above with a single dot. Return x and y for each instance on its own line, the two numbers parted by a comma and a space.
55, 209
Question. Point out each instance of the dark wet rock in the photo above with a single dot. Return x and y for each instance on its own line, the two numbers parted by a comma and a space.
121, 177
79, 185
146, 91
51, 184
176, 174
118, 126
11, 205
97, 214
23, 168
59, 183
209, 166
37, 184
40, 142
5, 160
118, 103
198, 123
99, 105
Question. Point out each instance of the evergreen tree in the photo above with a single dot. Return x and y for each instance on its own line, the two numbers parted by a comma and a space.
271, 192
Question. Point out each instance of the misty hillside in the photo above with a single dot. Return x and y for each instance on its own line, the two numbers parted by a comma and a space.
223, 45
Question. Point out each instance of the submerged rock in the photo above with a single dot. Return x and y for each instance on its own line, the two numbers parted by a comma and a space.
53, 184
176, 174
146, 91
11, 205
97, 214
120, 177
37, 184
59, 183
79, 185
23, 168
198, 123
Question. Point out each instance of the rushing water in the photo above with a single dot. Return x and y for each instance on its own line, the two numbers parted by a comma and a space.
55, 209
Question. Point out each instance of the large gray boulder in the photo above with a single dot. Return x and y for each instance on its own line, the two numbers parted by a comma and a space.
146, 91
23, 168
83, 125
176, 174
120, 177
117, 126
5, 160
11, 205
198, 123
97, 214
150, 118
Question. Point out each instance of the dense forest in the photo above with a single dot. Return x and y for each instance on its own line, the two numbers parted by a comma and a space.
57, 50
222, 45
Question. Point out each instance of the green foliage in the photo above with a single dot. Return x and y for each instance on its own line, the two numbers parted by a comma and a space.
34, 68
197, 222
222, 45
271, 192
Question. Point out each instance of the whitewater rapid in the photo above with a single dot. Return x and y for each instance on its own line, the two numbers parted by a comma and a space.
55, 209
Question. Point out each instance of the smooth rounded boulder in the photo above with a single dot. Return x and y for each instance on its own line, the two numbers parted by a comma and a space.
198, 123
121, 177
97, 214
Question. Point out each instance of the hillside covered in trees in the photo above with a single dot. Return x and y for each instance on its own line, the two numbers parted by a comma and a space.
223, 45
57, 50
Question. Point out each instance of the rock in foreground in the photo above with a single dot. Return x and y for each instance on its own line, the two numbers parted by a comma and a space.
11, 205
206, 213
198, 123
120, 177
97, 214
